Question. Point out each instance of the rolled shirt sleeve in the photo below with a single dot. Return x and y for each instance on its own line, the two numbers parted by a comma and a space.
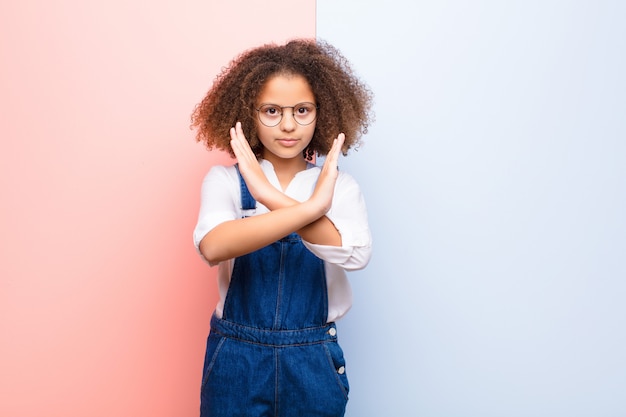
349, 215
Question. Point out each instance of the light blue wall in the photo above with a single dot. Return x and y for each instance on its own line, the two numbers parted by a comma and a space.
495, 177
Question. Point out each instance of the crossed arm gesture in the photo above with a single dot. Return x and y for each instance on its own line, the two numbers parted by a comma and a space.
238, 237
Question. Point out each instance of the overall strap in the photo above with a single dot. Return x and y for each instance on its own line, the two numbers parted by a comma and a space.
247, 201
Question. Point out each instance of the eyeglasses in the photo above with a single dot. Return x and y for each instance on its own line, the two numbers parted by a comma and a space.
271, 114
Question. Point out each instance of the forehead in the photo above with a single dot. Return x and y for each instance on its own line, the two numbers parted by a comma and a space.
286, 90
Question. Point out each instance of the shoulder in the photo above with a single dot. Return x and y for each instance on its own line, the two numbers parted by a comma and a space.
221, 173
222, 170
346, 180
221, 178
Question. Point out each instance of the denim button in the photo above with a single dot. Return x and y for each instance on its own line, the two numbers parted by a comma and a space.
332, 331
341, 370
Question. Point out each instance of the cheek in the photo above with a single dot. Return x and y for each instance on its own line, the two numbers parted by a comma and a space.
311, 131
261, 132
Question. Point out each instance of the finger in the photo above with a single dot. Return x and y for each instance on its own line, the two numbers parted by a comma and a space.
234, 141
333, 155
241, 148
338, 142
341, 138
236, 132
237, 136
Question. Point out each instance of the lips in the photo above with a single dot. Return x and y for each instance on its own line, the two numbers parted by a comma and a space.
288, 142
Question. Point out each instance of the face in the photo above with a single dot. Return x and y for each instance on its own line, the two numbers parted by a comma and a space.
288, 139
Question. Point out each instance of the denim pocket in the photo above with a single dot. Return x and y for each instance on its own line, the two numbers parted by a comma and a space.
338, 364
214, 345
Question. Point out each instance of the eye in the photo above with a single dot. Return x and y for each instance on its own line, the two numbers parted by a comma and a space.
270, 110
304, 108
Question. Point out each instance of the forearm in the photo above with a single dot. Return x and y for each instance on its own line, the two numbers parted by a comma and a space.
321, 231
239, 237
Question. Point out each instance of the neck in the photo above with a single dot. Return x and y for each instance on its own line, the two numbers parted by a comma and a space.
286, 169
295, 165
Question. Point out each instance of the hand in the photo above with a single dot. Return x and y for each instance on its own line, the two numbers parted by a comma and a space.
251, 171
325, 187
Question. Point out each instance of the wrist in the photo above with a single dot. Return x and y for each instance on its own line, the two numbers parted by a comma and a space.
275, 199
316, 208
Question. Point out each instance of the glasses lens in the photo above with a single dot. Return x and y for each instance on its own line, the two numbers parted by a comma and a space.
270, 114
304, 113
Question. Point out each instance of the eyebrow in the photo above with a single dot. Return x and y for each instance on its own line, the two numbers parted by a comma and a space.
278, 105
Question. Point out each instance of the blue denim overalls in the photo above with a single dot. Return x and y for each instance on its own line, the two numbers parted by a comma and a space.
272, 353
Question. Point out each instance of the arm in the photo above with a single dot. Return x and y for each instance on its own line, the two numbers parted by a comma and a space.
349, 215
237, 237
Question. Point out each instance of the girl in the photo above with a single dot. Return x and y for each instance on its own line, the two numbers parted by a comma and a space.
282, 230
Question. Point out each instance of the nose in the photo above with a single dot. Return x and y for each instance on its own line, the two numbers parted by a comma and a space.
288, 123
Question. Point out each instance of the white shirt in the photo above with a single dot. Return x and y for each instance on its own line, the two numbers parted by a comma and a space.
221, 201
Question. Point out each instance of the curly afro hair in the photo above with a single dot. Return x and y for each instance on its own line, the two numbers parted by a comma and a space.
344, 100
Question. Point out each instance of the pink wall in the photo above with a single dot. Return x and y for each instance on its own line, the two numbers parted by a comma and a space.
104, 304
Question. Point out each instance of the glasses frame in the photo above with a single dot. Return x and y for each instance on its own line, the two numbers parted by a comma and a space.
282, 113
